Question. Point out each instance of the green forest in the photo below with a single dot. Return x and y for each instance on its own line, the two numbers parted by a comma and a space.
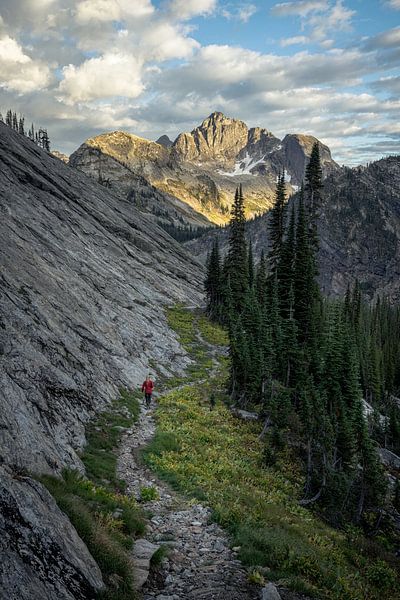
324, 374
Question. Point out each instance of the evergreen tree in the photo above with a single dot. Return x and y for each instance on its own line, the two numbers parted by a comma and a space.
277, 224
313, 189
290, 350
286, 269
9, 118
236, 264
250, 267
213, 283
261, 281
303, 276
21, 126
240, 363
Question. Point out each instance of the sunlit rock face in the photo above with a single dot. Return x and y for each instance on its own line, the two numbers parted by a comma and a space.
202, 169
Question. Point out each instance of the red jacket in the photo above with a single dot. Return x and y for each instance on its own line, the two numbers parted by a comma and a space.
148, 387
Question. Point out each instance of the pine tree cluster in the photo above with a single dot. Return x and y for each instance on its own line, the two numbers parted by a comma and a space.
183, 233
39, 137
306, 362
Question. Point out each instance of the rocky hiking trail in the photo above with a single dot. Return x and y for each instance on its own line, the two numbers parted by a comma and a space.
199, 563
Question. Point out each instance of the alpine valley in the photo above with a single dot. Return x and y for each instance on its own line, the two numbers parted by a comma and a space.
205, 494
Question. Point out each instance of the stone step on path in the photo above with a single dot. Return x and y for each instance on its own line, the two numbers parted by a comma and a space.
199, 565
142, 553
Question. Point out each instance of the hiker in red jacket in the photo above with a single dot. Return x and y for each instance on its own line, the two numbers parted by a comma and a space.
147, 388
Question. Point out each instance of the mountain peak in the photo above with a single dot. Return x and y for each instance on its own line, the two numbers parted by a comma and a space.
218, 118
219, 138
164, 140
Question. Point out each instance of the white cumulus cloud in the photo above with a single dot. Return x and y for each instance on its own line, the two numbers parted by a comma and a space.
18, 72
112, 74
112, 10
186, 9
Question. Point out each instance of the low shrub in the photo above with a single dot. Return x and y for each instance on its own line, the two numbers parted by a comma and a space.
147, 494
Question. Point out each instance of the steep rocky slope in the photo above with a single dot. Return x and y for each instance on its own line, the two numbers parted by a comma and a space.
83, 280
359, 228
202, 168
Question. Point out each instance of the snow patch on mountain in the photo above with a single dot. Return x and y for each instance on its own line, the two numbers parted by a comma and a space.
243, 166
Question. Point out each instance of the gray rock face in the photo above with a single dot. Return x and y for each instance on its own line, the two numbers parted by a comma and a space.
359, 230
218, 138
297, 148
41, 553
389, 459
83, 281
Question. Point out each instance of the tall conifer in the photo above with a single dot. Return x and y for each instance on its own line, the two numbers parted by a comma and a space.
236, 264
277, 224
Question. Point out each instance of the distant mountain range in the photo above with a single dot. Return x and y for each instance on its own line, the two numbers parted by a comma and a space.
359, 230
200, 170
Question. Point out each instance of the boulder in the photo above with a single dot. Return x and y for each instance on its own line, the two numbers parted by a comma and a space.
142, 552
270, 592
245, 415
42, 555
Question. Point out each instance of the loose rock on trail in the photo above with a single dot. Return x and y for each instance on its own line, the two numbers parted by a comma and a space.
199, 563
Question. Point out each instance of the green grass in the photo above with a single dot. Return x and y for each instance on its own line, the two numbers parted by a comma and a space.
107, 522
212, 333
186, 324
214, 457
103, 436
105, 519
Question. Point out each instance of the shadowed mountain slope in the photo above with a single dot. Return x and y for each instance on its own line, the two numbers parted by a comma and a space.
359, 230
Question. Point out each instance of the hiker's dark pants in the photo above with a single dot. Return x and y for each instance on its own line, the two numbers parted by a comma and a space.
148, 399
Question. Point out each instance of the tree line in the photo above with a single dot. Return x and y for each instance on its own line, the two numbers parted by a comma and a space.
306, 362
38, 136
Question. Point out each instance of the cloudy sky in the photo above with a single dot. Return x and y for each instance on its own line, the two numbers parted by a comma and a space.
330, 68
